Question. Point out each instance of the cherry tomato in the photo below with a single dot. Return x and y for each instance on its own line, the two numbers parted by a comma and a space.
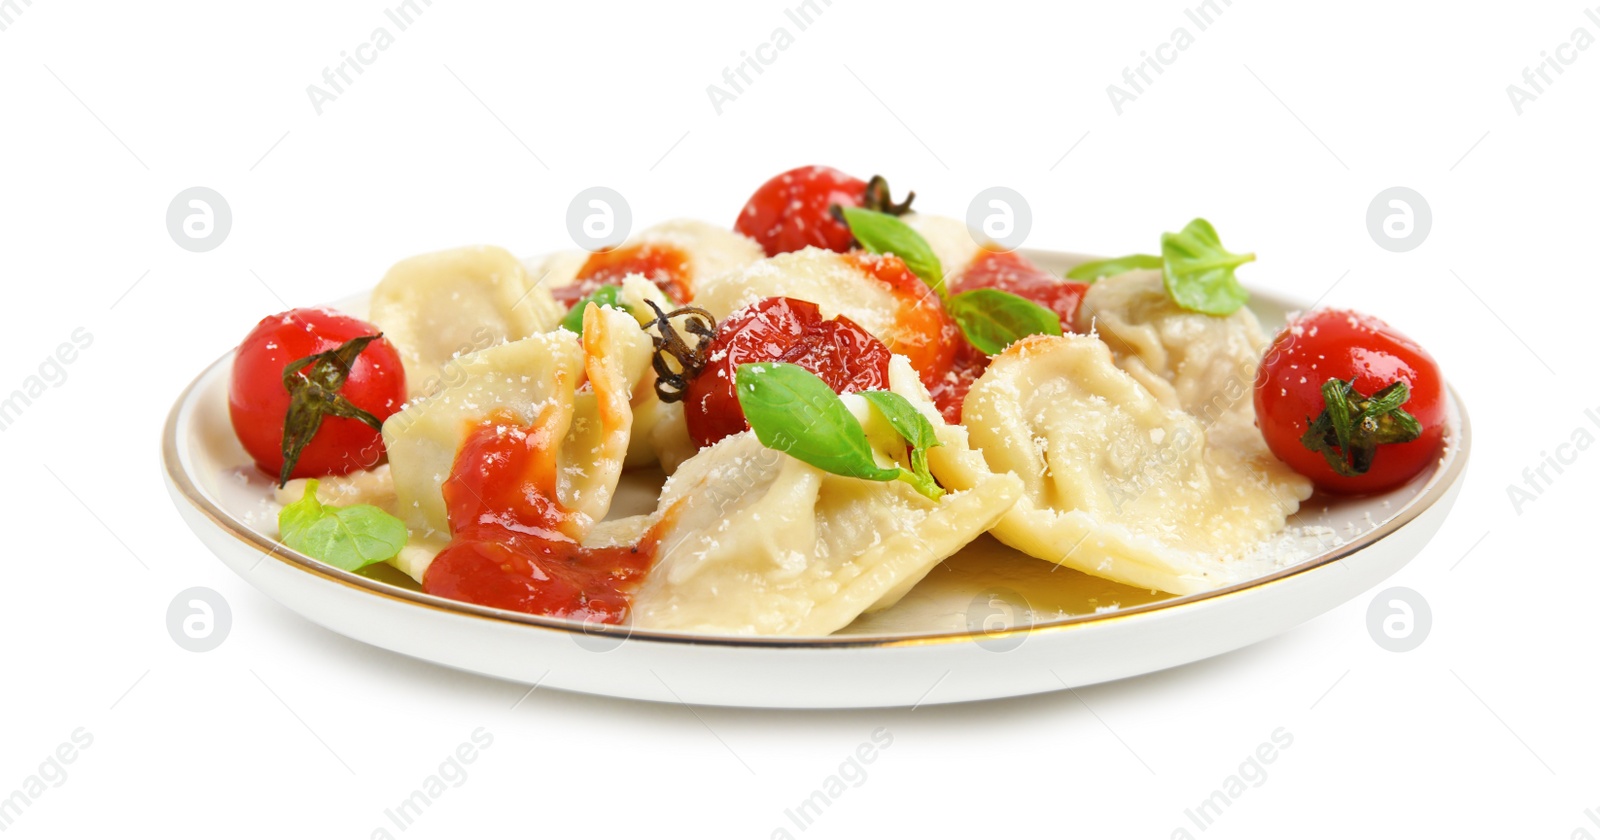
258, 402
779, 329
793, 209
661, 264
949, 390
1362, 350
1011, 272
790, 211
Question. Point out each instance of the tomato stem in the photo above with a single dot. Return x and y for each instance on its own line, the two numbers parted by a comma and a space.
877, 198
1352, 426
671, 384
314, 394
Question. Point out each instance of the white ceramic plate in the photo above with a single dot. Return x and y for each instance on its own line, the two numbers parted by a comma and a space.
988, 623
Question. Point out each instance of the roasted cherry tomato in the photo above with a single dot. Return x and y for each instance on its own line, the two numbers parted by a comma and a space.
779, 329
1388, 416
793, 209
922, 330
664, 265
338, 396
949, 390
1011, 272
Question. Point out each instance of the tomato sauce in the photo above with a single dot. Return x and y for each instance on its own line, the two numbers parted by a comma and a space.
664, 265
511, 545
923, 332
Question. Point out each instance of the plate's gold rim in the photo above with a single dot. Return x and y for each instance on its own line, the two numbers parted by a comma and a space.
1438, 484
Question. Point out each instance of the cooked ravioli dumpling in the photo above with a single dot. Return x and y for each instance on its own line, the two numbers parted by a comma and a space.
1118, 483
949, 238
900, 311
436, 307
538, 381
676, 256
753, 541
1204, 364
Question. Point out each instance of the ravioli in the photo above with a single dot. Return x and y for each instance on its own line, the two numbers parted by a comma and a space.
1118, 484
831, 281
661, 436
438, 306
756, 542
1204, 364
537, 380
695, 250
901, 311
661, 433
949, 238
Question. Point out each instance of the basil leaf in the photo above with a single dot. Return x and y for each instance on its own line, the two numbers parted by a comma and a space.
882, 233
607, 295
992, 319
350, 537
912, 424
1096, 269
1198, 271
795, 412
918, 432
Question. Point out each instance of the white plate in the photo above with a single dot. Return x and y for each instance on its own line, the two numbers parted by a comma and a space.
989, 623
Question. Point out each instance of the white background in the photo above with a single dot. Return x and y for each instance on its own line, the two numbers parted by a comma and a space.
1280, 124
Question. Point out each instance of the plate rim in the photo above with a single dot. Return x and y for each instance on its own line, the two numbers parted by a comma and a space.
185, 487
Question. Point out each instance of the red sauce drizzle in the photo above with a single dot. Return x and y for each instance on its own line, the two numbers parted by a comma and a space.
510, 546
664, 265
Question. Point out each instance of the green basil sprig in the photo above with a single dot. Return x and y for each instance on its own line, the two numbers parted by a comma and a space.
882, 233
1096, 269
990, 318
607, 295
918, 431
793, 411
348, 537
1195, 269
1198, 271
